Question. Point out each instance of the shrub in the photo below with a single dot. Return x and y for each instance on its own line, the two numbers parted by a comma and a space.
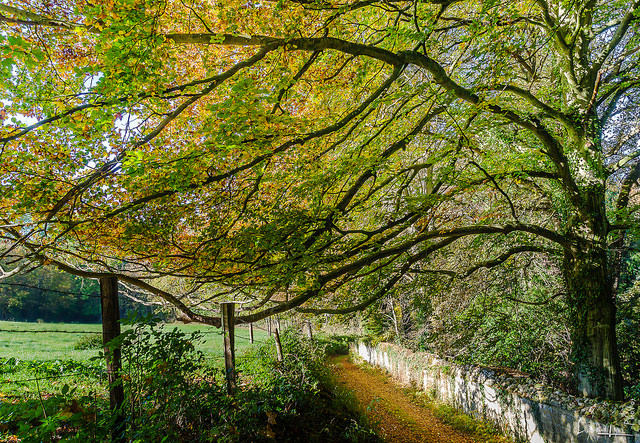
337, 344
88, 341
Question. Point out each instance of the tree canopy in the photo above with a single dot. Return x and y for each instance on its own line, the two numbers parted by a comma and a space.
317, 155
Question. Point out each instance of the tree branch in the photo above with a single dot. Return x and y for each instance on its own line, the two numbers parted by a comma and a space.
611, 169
533, 100
495, 183
625, 190
504, 257
623, 27
33, 19
259, 159
388, 286
114, 165
302, 44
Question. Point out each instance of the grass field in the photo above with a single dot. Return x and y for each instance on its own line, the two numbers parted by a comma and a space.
41, 356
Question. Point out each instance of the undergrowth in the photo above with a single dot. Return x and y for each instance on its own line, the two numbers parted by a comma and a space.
479, 430
174, 394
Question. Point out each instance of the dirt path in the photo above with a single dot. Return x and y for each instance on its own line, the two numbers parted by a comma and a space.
391, 411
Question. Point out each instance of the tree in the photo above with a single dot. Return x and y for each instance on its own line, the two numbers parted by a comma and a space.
312, 155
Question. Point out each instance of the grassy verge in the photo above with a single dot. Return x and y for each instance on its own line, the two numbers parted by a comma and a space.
336, 347
480, 431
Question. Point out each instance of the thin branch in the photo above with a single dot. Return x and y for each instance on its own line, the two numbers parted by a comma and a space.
504, 257
534, 303
495, 183
295, 78
388, 285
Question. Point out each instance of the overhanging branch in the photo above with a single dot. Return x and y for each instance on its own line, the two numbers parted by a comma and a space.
487, 264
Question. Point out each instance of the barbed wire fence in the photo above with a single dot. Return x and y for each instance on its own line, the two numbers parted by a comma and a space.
102, 373
114, 372
97, 377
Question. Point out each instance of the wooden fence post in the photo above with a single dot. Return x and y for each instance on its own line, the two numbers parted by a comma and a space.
229, 352
111, 330
309, 329
276, 336
250, 332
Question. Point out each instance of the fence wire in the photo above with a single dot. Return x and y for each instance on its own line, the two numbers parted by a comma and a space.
49, 331
255, 340
50, 377
100, 377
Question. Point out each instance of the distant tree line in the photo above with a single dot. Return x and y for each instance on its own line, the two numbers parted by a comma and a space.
48, 295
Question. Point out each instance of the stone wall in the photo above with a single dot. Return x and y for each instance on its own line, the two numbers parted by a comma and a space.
498, 398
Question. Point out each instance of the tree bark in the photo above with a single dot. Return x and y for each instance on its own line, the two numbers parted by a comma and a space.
590, 271
593, 319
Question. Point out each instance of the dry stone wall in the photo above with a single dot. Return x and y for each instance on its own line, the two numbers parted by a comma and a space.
520, 408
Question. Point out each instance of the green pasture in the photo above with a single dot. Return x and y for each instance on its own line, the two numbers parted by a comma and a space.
41, 357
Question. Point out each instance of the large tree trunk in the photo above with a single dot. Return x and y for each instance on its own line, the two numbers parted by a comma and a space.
589, 274
593, 319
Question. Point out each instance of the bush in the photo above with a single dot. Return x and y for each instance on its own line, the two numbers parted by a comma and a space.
628, 332
295, 393
88, 341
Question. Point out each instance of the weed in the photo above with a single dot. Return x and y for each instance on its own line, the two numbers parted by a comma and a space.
481, 431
